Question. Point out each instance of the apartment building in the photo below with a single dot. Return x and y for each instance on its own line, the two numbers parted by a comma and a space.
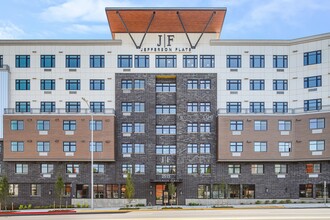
171, 103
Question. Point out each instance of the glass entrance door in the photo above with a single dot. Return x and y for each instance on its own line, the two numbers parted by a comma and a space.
163, 196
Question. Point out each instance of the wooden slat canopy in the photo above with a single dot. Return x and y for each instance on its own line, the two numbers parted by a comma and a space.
166, 20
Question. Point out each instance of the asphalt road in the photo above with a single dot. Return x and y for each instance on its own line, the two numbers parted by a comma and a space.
236, 214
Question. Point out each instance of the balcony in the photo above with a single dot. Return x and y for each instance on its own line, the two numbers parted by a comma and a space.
59, 111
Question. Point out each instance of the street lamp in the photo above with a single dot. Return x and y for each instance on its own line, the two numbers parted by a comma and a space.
92, 153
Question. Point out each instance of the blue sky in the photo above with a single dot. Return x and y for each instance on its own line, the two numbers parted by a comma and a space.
86, 19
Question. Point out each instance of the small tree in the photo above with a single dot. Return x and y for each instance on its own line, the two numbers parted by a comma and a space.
130, 189
4, 191
171, 191
59, 189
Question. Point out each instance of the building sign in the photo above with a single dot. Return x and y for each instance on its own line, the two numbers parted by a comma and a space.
165, 44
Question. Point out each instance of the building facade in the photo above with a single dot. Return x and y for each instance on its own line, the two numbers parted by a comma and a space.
171, 103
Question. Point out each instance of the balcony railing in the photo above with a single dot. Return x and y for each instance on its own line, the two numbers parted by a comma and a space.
37, 111
270, 111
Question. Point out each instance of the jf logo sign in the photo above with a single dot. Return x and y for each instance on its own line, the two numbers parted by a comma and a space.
165, 44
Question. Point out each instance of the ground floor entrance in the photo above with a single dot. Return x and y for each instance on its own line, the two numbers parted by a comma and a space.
166, 194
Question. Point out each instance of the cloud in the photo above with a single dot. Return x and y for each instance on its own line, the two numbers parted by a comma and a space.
9, 30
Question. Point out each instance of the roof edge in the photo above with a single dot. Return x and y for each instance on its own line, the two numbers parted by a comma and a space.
165, 8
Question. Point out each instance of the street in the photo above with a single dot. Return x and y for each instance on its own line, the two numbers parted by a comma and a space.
225, 214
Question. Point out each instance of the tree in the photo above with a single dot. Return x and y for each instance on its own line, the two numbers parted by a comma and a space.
4, 191
130, 190
171, 191
59, 189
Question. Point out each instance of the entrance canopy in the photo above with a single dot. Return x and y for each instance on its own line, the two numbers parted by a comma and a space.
165, 20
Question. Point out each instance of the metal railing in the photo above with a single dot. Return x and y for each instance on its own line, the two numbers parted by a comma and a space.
57, 111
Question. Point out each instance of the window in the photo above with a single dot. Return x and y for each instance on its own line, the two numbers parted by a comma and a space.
280, 107
234, 169
192, 148
281, 168
165, 169
139, 127
127, 148
139, 107
257, 169
205, 127
204, 191
13, 189
165, 149
43, 146
96, 125
192, 128
17, 146
96, 84
69, 146
72, 168
284, 125
260, 125
47, 84
127, 168
141, 61
140, 169
313, 57
43, 125
47, 106
165, 61
139, 148
1, 61
313, 168
205, 84
166, 129
260, 146
233, 84
22, 107
22, 61
165, 87
190, 61
96, 61
126, 84
124, 61
192, 169
35, 189
72, 106
205, 169
257, 107
72, 61
69, 125
236, 125
192, 107
236, 147
97, 146
284, 147
233, 107
233, 61
206, 61
280, 61
139, 84
205, 107
126, 107
165, 109
46, 168
97, 107
313, 81
22, 84
17, 125
316, 145
280, 84
257, 84
21, 168
47, 61
312, 104
126, 128
316, 123
72, 84
306, 190
205, 148
257, 61
192, 84
98, 168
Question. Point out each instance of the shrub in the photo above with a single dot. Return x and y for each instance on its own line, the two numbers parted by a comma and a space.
288, 201
258, 202
85, 205
78, 205
21, 207
29, 206
274, 201
302, 201
140, 205
267, 202
282, 202
194, 204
